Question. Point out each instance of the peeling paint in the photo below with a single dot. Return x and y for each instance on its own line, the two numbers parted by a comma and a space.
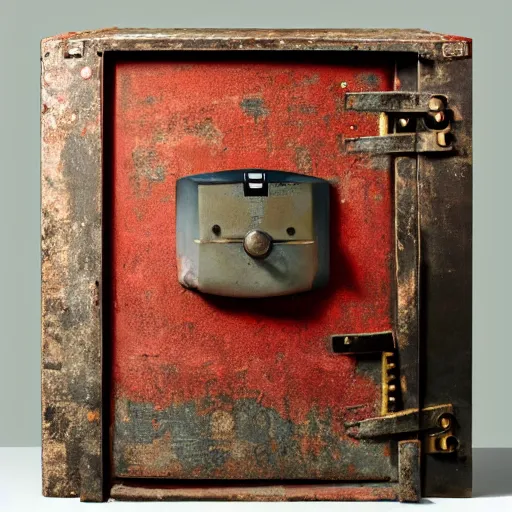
254, 107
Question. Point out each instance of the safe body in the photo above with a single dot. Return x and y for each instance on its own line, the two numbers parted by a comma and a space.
256, 264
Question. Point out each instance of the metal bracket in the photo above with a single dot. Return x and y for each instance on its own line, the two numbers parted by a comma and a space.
445, 440
420, 142
74, 49
402, 422
365, 343
429, 107
394, 101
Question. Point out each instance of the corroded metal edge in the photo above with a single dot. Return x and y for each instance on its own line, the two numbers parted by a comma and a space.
409, 476
290, 492
428, 44
407, 277
71, 273
401, 422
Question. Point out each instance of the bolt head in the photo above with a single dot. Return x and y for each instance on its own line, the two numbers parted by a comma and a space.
257, 244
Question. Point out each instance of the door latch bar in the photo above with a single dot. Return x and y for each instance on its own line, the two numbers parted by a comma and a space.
401, 422
395, 101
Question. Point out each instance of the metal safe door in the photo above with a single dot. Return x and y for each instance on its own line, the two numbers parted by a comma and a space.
211, 387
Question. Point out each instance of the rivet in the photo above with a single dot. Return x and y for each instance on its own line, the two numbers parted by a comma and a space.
257, 244
403, 122
86, 73
343, 85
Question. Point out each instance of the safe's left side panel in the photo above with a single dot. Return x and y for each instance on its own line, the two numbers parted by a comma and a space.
71, 261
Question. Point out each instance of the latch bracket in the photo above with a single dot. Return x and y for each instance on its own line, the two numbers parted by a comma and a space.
426, 134
394, 102
401, 422
417, 142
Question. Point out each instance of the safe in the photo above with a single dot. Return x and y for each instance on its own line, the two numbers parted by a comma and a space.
256, 264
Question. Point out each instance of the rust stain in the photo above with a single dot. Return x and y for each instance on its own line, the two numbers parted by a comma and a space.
403, 383
93, 416
206, 130
311, 79
71, 270
262, 492
147, 170
222, 425
303, 159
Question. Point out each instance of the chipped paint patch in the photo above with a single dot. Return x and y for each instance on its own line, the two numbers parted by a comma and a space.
242, 438
148, 170
254, 107
303, 160
206, 130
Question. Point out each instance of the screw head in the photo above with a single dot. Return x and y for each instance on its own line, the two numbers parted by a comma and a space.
257, 244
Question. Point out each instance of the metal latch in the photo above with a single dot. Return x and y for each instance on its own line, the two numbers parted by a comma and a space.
252, 232
436, 423
415, 122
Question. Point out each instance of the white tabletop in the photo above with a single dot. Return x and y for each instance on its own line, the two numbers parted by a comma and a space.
20, 490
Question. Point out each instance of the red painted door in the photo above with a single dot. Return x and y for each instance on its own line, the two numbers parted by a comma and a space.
211, 387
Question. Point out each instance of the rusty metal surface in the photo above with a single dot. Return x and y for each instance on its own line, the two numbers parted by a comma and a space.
266, 367
71, 273
240, 439
428, 44
71, 244
407, 253
445, 191
409, 471
390, 101
420, 142
256, 492
401, 422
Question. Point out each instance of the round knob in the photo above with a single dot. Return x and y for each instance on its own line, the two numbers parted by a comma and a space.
257, 244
